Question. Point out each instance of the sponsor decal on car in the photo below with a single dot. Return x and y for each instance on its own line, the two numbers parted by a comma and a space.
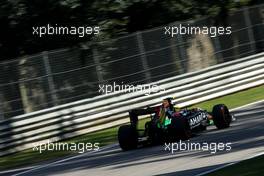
196, 120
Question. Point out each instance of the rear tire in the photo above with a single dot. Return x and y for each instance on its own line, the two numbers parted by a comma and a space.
127, 137
221, 116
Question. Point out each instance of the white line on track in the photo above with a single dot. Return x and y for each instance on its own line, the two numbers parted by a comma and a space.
240, 107
229, 164
113, 145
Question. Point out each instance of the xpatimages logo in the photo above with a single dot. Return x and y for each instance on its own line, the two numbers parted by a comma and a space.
212, 31
147, 89
80, 31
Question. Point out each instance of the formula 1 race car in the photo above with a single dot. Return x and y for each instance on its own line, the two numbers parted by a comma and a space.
177, 125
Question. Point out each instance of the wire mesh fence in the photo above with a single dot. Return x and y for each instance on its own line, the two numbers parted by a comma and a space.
47, 79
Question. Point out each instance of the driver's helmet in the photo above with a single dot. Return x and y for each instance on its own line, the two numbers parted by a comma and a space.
169, 105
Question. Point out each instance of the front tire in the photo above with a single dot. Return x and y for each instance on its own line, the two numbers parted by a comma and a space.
221, 116
127, 137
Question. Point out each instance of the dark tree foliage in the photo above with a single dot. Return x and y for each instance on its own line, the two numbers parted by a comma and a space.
115, 18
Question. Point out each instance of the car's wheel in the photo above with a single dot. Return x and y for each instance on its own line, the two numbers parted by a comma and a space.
127, 137
221, 116
179, 129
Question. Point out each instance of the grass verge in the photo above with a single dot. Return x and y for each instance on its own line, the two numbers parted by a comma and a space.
250, 167
109, 136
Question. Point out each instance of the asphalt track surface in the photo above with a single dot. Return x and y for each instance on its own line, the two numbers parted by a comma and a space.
246, 135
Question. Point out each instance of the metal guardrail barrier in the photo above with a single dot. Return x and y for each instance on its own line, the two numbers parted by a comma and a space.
80, 117
36, 82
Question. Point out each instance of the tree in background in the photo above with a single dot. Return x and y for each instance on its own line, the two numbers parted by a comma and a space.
115, 17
